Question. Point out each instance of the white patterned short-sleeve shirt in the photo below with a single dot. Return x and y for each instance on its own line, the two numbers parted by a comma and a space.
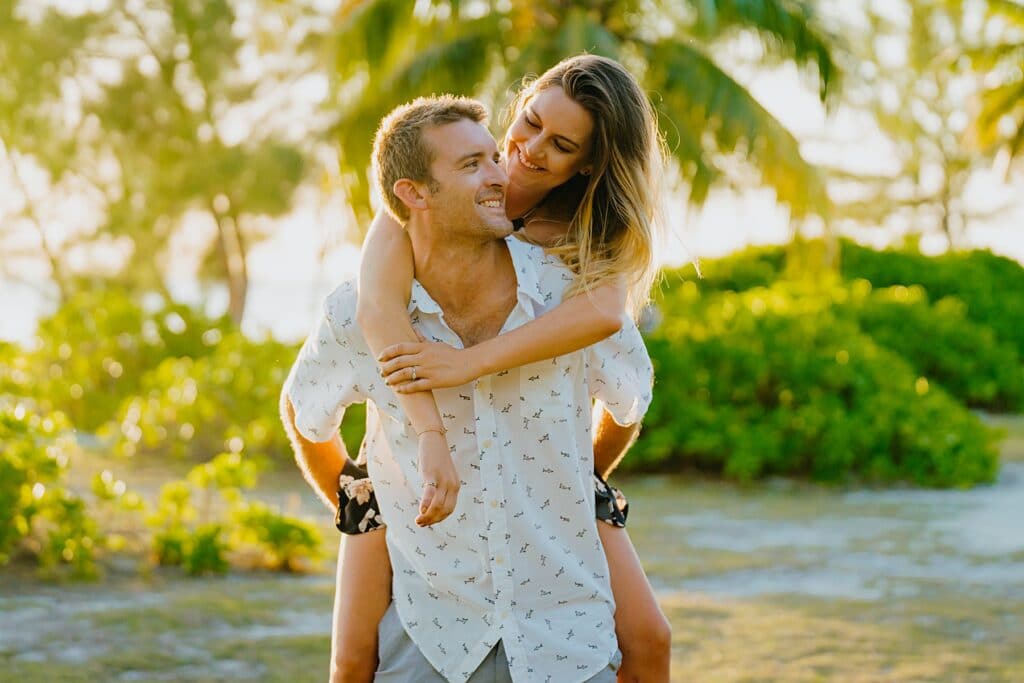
519, 560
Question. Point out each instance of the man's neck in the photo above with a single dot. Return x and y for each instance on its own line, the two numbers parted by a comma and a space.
473, 281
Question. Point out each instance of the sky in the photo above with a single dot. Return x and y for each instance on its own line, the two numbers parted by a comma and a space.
289, 279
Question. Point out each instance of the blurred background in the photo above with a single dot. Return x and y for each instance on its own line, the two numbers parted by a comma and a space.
830, 483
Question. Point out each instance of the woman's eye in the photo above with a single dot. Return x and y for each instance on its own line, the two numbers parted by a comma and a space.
560, 148
530, 122
472, 164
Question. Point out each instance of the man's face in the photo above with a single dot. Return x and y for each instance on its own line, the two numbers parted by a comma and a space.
468, 198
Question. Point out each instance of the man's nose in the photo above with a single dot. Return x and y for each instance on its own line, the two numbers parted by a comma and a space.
497, 175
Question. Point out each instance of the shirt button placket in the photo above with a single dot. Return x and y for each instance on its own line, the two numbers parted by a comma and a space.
490, 456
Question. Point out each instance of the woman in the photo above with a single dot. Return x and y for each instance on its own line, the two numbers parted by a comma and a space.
582, 154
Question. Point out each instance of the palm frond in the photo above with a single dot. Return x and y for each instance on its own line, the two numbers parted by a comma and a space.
1010, 11
367, 32
787, 27
717, 112
988, 57
1006, 100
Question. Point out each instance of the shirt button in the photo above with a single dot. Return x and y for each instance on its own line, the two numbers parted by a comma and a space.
494, 503
499, 561
487, 443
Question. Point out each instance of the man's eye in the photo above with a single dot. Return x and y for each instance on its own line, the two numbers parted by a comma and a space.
472, 164
531, 123
560, 148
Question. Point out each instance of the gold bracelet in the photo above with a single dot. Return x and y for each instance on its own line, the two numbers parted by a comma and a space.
437, 428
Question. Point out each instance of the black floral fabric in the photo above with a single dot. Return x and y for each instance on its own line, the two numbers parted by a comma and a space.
359, 513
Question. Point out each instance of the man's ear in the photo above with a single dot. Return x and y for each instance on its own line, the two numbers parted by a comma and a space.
411, 193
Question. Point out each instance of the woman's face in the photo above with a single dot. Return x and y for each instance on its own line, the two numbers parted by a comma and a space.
549, 141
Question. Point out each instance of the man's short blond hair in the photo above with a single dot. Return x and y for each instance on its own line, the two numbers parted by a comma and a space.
399, 150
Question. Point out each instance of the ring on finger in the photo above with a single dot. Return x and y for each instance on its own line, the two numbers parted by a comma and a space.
414, 373
430, 483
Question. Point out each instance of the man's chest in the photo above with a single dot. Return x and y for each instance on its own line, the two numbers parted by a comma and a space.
478, 324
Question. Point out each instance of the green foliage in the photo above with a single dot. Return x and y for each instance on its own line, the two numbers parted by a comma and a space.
284, 540
193, 407
190, 522
772, 381
941, 343
162, 379
94, 352
991, 286
38, 515
741, 270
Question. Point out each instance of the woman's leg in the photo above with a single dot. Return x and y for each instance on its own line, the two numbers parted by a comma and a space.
362, 595
645, 636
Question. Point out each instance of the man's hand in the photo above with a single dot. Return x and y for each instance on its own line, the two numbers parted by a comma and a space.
440, 479
437, 366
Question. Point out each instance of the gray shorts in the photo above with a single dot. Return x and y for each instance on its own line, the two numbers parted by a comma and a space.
402, 662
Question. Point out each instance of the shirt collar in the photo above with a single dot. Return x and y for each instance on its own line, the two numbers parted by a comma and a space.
524, 261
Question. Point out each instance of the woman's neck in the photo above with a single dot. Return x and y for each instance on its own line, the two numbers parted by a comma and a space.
518, 201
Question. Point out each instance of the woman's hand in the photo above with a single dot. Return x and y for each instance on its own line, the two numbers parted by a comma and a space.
440, 479
437, 365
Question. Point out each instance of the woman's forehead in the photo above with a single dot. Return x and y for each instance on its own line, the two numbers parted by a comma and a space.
561, 114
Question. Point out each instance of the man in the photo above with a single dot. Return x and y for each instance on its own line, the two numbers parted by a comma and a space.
515, 581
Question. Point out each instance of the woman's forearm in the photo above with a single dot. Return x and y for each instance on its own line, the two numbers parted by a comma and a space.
385, 281
574, 324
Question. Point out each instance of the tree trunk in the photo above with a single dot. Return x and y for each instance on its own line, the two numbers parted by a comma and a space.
231, 248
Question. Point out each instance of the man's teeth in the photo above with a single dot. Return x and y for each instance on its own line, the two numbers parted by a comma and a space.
493, 203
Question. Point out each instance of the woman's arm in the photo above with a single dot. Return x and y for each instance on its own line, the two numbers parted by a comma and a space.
574, 324
385, 282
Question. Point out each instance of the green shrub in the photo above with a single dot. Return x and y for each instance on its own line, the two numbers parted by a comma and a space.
284, 541
227, 399
94, 351
739, 271
38, 515
991, 286
193, 514
942, 344
772, 381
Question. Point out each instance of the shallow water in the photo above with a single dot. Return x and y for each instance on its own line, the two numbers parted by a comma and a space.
785, 538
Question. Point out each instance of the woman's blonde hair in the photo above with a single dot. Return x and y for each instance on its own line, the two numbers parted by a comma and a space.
611, 212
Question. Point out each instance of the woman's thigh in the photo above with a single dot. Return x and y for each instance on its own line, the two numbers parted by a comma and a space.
362, 592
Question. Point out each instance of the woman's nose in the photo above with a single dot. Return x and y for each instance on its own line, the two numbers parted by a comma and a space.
532, 147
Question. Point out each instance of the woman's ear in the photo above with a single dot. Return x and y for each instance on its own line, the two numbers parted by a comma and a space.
410, 193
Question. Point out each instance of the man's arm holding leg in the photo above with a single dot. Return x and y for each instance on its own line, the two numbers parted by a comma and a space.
321, 463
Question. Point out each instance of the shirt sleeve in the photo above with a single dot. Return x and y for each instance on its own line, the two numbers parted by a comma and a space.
620, 374
330, 371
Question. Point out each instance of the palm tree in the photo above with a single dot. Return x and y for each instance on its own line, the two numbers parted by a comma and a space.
389, 53
999, 124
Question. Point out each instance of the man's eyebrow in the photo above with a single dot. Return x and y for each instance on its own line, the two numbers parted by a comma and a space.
533, 112
466, 157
